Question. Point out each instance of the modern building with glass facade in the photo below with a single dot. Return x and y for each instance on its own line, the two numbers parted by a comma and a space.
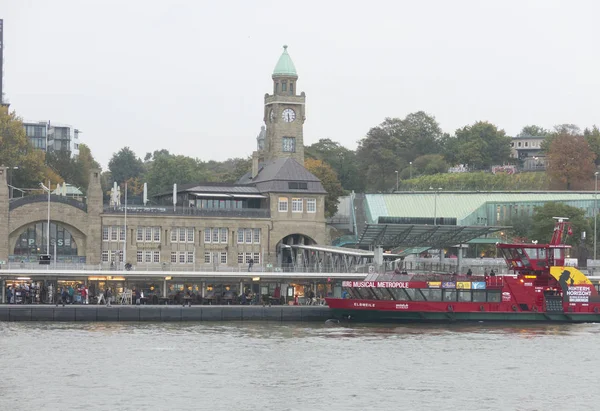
50, 136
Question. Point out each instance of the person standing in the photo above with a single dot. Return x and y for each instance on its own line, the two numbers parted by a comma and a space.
108, 296
250, 264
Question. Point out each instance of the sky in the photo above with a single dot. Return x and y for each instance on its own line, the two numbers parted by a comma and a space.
190, 76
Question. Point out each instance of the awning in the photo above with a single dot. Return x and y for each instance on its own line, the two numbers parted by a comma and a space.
249, 196
394, 236
220, 195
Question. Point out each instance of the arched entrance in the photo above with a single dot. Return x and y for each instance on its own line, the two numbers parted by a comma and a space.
286, 255
33, 241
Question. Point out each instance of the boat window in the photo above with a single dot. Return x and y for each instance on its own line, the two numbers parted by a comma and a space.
493, 296
479, 296
398, 294
464, 295
414, 294
523, 257
449, 295
432, 294
364, 293
532, 253
558, 253
381, 293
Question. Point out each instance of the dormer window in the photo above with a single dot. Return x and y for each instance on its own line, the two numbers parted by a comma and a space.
294, 185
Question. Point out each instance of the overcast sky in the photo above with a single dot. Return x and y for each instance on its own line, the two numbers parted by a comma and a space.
190, 76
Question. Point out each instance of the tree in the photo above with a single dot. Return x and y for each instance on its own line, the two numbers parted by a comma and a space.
166, 170
393, 144
427, 165
342, 160
480, 146
559, 130
593, 139
570, 160
125, 165
533, 131
330, 182
543, 222
15, 151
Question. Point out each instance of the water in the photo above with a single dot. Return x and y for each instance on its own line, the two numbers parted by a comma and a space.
231, 366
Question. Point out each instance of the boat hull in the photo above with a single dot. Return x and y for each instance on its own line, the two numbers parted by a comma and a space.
455, 317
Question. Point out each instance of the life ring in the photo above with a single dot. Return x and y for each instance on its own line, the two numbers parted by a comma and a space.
481, 308
596, 310
450, 308
534, 308
514, 307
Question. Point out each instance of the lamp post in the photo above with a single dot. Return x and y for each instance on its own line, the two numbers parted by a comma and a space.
595, 212
47, 189
435, 204
410, 168
396, 179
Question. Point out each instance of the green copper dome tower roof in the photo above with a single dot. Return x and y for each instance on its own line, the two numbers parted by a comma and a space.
285, 65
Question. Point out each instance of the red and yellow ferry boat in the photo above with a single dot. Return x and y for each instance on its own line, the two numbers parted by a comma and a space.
539, 289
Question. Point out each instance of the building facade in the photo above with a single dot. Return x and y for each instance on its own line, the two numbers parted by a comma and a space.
203, 226
49, 136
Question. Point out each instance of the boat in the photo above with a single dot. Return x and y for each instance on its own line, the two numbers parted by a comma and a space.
538, 288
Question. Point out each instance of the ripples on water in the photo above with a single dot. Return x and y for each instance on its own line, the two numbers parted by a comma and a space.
249, 366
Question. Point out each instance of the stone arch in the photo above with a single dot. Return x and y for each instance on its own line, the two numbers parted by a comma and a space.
79, 237
63, 213
283, 250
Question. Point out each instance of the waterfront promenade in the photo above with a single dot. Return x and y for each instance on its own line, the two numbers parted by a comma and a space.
165, 313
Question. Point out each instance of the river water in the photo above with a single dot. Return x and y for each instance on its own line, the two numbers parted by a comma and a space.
251, 366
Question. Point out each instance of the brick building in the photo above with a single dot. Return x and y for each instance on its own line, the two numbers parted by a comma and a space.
276, 204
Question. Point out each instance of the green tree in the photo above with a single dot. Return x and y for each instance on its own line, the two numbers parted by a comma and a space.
125, 165
520, 227
533, 131
342, 160
15, 151
479, 146
570, 160
428, 164
543, 222
167, 170
393, 144
330, 182
592, 136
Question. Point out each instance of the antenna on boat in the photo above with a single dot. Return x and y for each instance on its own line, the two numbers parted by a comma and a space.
560, 219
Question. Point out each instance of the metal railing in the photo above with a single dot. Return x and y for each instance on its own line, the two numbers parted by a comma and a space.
191, 211
43, 198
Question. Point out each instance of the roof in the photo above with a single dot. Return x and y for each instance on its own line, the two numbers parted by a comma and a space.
285, 65
274, 176
70, 190
212, 188
392, 236
459, 205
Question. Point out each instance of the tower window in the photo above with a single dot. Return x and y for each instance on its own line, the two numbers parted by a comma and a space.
292, 88
276, 87
284, 86
288, 145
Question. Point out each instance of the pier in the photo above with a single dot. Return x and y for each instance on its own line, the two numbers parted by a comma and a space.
163, 313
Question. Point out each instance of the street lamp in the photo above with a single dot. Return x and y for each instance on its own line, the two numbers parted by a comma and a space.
396, 180
410, 168
595, 212
47, 189
435, 204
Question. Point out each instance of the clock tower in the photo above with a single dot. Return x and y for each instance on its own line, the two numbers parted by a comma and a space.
284, 114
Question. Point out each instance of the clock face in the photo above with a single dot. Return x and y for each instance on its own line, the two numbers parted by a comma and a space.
272, 116
288, 115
